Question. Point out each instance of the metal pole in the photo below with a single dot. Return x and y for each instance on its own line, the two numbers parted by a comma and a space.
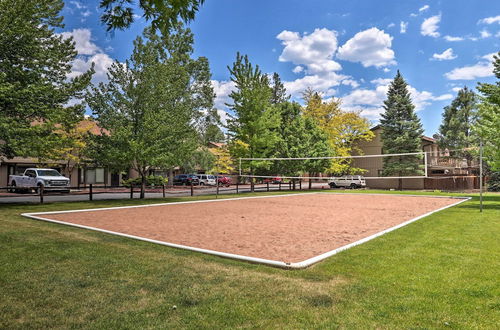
191, 187
41, 194
480, 176
90, 192
425, 161
163, 190
131, 191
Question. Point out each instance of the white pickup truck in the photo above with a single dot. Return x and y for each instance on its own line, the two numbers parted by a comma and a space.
347, 181
34, 178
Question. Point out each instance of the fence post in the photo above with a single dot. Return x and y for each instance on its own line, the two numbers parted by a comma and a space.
90, 192
279, 185
237, 187
192, 188
267, 185
163, 190
131, 191
41, 194
289, 185
300, 184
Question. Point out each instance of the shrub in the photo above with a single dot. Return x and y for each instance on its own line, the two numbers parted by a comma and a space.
494, 181
151, 180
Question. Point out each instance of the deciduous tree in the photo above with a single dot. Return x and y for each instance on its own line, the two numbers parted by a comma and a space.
152, 103
488, 123
344, 129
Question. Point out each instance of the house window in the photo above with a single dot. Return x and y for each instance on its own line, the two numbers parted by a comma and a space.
95, 175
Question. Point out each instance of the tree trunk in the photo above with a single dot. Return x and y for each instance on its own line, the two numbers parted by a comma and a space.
170, 182
143, 185
400, 184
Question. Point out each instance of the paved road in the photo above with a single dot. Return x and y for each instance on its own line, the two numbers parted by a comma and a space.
55, 197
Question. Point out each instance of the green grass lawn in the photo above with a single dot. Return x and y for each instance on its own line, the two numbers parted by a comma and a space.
442, 271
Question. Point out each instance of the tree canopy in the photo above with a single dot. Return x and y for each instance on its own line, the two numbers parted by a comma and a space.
38, 102
163, 14
488, 123
455, 132
401, 132
342, 128
152, 103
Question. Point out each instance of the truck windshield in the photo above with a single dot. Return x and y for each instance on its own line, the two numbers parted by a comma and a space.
48, 173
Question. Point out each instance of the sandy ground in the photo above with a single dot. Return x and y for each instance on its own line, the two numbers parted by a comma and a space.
286, 228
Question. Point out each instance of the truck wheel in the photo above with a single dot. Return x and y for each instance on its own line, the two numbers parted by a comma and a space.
353, 186
332, 185
37, 190
13, 187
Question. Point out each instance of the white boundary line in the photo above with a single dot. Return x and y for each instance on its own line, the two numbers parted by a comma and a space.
274, 263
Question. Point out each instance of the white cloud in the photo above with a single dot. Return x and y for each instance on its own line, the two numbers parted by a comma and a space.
485, 34
83, 42
456, 89
483, 68
391, 25
403, 26
88, 53
490, 20
424, 8
86, 13
350, 82
78, 4
371, 47
314, 51
101, 61
450, 38
386, 69
322, 83
222, 90
446, 55
370, 101
298, 69
430, 25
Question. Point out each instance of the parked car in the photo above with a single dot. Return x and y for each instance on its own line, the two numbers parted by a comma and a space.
186, 179
347, 181
36, 178
206, 179
224, 180
273, 180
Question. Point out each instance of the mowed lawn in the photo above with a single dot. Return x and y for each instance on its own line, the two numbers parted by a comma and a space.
442, 271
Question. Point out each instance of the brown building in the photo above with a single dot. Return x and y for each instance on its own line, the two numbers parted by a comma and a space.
86, 173
443, 172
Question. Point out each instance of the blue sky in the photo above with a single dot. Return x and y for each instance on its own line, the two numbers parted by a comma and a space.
347, 49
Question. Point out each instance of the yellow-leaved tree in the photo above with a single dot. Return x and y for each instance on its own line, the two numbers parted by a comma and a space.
223, 163
343, 128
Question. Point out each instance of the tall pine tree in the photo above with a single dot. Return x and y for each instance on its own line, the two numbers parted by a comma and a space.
455, 132
401, 132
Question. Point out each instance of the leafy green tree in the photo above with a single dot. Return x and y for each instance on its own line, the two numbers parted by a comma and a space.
488, 123
209, 128
456, 129
150, 107
253, 131
279, 94
401, 132
35, 91
300, 136
163, 14
344, 130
